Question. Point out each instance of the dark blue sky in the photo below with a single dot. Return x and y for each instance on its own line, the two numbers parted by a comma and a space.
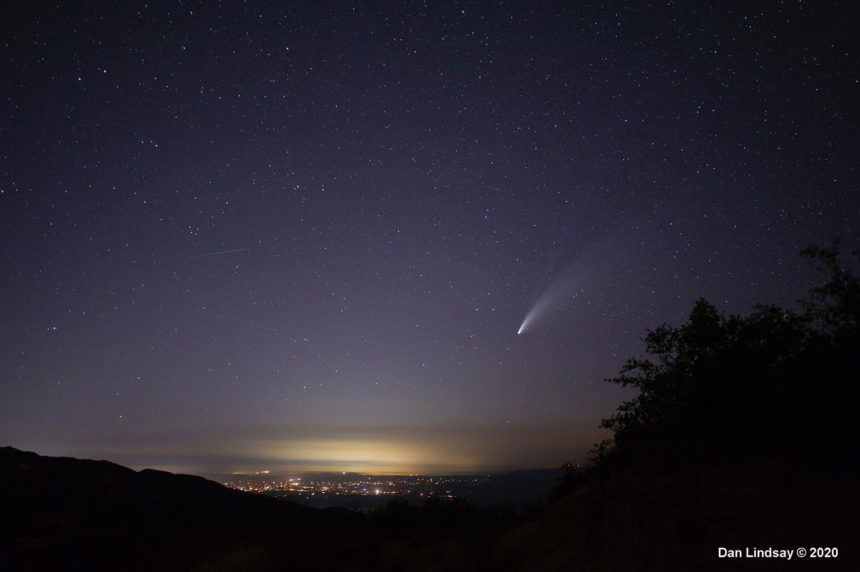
247, 236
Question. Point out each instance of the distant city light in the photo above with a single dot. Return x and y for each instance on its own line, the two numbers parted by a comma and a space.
332, 486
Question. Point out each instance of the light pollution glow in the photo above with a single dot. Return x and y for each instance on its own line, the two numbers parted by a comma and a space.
362, 455
391, 451
369, 456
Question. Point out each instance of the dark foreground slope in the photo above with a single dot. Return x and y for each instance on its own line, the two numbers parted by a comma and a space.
68, 514
676, 516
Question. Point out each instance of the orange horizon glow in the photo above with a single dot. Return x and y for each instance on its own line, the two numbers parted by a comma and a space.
389, 451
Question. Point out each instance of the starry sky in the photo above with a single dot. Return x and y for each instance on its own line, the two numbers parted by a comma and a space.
267, 235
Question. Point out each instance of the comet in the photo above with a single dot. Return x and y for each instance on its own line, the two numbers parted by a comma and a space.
565, 287
549, 299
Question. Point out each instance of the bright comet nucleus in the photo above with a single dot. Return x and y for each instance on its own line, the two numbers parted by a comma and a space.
525, 323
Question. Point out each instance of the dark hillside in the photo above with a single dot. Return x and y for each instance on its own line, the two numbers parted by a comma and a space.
70, 514
654, 516
75, 514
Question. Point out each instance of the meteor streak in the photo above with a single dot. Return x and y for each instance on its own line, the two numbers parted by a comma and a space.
217, 253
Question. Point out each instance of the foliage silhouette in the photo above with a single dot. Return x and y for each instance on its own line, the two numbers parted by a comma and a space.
773, 381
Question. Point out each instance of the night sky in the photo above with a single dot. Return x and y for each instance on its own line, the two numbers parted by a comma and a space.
281, 235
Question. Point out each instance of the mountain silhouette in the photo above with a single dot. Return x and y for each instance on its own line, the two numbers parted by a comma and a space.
70, 514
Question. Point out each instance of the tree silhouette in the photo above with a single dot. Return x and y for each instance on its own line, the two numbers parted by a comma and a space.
772, 380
